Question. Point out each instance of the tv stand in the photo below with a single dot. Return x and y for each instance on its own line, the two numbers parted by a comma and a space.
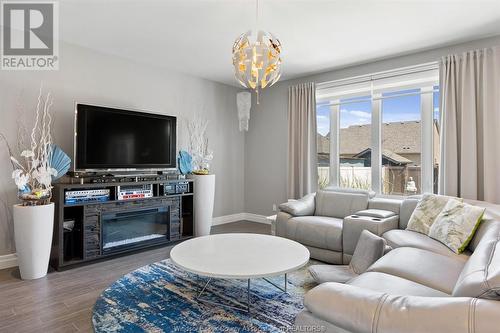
93, 230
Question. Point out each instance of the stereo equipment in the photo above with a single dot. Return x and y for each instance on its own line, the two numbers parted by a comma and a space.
173, 188
169, 189
79, 196
127, 192
182, 187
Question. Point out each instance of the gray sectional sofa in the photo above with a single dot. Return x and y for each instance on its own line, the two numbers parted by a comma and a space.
317, 220
418, 286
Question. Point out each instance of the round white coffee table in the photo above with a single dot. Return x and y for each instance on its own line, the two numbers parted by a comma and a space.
239, 256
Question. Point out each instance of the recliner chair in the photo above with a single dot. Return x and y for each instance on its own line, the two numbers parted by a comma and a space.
318, 221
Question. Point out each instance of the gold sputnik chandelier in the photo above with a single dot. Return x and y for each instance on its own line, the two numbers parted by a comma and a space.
256, 59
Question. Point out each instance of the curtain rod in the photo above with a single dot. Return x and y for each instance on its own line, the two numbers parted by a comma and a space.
379, 75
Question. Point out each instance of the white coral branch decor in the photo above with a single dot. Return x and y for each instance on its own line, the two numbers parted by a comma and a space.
32, 171
198, 145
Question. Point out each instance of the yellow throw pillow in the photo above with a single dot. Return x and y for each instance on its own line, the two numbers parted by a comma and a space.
426, 212
456, 224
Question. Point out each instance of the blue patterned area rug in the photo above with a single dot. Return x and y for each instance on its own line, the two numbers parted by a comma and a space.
161, 298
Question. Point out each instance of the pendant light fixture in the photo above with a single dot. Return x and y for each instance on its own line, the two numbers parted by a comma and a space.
256, 58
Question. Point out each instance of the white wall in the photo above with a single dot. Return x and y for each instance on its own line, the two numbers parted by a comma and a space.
88, 76
266, 141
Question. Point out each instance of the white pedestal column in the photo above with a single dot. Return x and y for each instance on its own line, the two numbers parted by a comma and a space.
204, 192
33, 226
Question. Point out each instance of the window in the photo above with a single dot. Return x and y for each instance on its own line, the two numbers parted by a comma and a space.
354, 140
380, 132
323, 143
401, 142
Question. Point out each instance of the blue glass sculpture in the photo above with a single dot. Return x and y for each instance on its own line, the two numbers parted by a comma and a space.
185, 162
60, 161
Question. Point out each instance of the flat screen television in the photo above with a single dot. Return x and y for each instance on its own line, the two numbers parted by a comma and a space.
109, 139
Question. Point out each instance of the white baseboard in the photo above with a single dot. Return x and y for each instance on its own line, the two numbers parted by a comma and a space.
240, 217
228, 218
256, 218
8, 260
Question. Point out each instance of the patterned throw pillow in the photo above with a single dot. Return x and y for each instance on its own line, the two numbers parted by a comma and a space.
426, 212
456, 224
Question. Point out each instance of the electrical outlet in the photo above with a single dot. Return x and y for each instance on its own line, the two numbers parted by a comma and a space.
275, 208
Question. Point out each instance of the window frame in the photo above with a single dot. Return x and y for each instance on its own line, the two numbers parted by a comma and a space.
426, 120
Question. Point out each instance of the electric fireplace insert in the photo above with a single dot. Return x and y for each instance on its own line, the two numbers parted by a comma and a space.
130, 228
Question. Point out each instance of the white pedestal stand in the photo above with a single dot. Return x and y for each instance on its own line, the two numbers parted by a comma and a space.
204, 192
33, 227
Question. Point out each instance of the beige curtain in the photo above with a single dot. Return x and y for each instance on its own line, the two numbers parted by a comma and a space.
470, 125
302, 158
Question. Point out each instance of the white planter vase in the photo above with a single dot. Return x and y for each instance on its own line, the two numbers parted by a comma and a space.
204, 192
33, 226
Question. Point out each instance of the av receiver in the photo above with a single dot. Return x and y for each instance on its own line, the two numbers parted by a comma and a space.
178, 187
88, 195
138, 191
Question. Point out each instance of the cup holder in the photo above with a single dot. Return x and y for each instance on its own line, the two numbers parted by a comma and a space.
376, 219
355, 216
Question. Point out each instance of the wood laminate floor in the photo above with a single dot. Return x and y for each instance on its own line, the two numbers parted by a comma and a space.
63, 301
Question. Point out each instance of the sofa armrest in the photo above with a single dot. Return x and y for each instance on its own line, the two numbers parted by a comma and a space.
281, 223
302, 207
365, 311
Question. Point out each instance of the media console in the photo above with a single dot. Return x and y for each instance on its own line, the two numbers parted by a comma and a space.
88, 229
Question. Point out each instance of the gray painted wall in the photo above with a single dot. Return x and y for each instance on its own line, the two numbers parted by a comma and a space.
266, 141
92, 77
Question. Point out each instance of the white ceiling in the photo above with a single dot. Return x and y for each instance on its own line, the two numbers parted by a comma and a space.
196, 36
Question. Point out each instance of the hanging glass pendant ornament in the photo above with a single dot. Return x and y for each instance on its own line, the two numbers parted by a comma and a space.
256, 59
